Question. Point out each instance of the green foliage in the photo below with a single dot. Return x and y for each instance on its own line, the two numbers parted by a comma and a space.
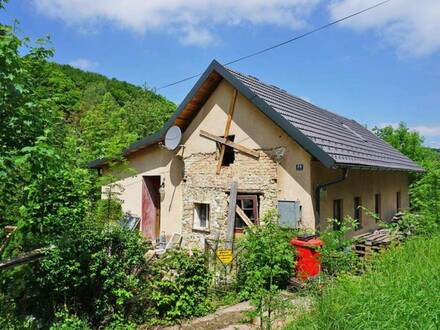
425, 187
399, 291
265, 263
336, 254
65, 321
179, 287
265, 255
93, 271
54, 119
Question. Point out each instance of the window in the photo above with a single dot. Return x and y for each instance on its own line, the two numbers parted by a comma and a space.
337, 213
398, 202
377, 205
249, 205
357, 212
201, 216
229, 156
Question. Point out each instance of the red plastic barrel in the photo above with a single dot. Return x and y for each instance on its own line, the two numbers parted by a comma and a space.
308, 263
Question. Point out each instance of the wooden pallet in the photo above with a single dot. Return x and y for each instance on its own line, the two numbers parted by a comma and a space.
370, 242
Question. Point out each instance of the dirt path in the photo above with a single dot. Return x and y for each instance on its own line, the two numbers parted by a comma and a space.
232, 317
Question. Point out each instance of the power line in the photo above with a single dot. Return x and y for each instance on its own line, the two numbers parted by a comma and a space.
322, 27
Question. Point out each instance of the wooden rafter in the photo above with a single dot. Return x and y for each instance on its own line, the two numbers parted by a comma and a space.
226, 142
227, 128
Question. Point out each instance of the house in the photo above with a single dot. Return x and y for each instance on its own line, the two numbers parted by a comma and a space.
282, 151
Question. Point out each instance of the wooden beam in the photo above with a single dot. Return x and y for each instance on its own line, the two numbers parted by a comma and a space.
244, 217
226, 142
231, 214
25, 258
227, 128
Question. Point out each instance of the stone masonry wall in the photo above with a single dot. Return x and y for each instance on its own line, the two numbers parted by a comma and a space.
201, 184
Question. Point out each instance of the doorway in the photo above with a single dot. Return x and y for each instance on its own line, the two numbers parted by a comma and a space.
150, 221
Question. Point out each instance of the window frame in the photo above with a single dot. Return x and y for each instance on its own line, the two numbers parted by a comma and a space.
398, 201
357, 211
255, 209
208, 217
339, 201
378, 205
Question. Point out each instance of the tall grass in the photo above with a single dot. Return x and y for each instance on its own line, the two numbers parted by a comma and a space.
401, 291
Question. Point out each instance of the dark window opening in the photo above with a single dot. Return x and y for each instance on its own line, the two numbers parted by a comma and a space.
377, 205
358, 212
229, 156
337, 214
398, 202
249, 205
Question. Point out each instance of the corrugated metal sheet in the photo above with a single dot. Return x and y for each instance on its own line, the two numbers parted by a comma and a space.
345, 140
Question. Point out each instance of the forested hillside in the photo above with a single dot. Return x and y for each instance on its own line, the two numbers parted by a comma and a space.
105, 115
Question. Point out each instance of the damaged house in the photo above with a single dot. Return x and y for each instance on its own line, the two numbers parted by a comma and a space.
252, 142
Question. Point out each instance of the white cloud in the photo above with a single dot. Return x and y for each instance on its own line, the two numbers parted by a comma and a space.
83, 63
193, 19
427, 130
411, 26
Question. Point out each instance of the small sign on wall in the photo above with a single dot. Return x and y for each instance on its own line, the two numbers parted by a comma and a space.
299, 167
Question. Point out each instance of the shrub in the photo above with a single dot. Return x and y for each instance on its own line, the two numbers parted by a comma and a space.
178, 287
92, 272
399, 291
264, 254
336, 253
265, 263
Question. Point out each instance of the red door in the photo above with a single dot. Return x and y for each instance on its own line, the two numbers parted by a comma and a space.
150, 222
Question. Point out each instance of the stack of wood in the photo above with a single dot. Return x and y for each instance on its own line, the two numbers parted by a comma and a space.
374, 241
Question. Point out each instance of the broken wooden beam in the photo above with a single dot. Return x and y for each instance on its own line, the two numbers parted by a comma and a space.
231, 144
244, 217
227, 128
25, 258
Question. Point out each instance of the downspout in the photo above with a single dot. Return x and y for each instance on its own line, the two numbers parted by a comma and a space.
318, 189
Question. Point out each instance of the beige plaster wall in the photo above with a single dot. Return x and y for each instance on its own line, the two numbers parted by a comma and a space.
149, 162
254, 130
364, 184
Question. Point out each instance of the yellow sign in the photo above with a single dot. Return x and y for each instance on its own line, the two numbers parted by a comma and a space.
225, 256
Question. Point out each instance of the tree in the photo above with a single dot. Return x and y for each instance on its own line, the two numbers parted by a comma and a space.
425, 187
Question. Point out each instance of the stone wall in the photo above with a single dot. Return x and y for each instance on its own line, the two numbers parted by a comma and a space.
201, 184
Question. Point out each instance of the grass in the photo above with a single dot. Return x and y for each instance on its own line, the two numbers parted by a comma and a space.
400, 291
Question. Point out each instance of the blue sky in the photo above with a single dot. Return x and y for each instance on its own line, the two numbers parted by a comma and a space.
379, 68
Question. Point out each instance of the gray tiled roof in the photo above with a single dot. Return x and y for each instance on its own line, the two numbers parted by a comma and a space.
344, 140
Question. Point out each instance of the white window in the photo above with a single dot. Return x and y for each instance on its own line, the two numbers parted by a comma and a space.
201, 216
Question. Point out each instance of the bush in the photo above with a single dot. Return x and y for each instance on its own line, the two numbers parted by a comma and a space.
265, 263
399, 291
337, 255
92, 272
178, 287
264, 254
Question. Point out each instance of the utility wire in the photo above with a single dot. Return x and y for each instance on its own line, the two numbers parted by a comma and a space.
322, 27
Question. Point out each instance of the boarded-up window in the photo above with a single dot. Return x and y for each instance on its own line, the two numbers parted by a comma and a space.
357, 212
398, 202
377, 205
337, 213
201, 216
249, 205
